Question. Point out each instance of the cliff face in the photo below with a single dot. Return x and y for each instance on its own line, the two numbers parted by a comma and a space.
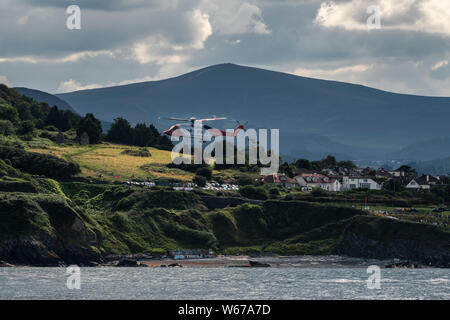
48, 229
44, 230
373, 237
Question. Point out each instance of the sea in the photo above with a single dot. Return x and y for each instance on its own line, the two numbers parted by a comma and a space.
289, 281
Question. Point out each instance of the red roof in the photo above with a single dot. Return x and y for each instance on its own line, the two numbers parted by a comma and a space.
278, 178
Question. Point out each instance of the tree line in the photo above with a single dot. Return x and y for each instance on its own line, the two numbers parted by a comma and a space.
141, 135
21, 115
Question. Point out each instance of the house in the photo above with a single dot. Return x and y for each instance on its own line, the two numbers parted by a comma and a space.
281, 179
422, 183
411, 183
60, 138
428, 179
317, 180
357, 182
383, 173
191, 254
84, 139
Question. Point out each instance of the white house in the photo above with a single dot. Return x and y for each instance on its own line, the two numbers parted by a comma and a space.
419, 183
413, 184
315, 180
349, 183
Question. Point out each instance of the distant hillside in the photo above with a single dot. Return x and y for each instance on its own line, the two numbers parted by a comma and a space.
428, 150
433, 167
366, 122
41, 96
52, 100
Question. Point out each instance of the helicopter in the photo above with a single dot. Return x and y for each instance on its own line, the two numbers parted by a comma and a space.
188, 125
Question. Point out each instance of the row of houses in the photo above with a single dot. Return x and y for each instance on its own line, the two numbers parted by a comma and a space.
313, 180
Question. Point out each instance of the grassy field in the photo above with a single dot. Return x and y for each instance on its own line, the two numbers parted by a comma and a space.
107, 160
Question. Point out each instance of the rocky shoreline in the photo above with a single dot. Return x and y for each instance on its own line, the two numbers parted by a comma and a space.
262, 261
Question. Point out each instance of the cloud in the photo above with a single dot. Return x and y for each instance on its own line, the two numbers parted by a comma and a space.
72, 85
155, 39
429, 16
157, 49
330, 73
161, 50
166, 71
109, 5
439, 65
235, 17
203, 29
74, 57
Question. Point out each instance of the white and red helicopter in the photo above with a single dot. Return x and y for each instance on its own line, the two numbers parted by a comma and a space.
179, 129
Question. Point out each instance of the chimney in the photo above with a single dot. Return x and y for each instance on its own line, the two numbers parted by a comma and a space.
428, 178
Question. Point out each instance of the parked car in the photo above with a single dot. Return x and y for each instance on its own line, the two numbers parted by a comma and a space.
440, 209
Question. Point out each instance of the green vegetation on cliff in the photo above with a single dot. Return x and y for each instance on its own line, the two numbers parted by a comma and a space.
75, 221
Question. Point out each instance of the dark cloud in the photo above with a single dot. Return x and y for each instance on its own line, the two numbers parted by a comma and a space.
102, 5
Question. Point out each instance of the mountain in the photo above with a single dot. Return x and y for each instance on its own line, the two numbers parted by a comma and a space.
366, 122
41, 96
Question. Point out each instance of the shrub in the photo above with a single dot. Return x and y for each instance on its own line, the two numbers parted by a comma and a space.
6, 128
274, 191
245, 181
36, 163
26, 127
141, 152
51, 128
318, 192
252, 192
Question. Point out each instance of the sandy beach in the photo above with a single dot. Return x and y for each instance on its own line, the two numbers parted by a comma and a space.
272, 261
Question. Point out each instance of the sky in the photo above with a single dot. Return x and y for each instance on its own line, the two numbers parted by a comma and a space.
127, 41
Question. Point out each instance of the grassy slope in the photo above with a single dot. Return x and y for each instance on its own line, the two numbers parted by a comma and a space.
108, 160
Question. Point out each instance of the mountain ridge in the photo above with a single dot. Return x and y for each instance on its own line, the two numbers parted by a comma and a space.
41, 96
372, 122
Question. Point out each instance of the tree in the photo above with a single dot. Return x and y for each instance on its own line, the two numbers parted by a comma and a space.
121, 132
394, 185
329, 161
57, 118
200, 181
165, 143
92, 126
26, 127
143, 136
8, 112
303, 164
6, 128
205, 172
346, 164
407, 169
